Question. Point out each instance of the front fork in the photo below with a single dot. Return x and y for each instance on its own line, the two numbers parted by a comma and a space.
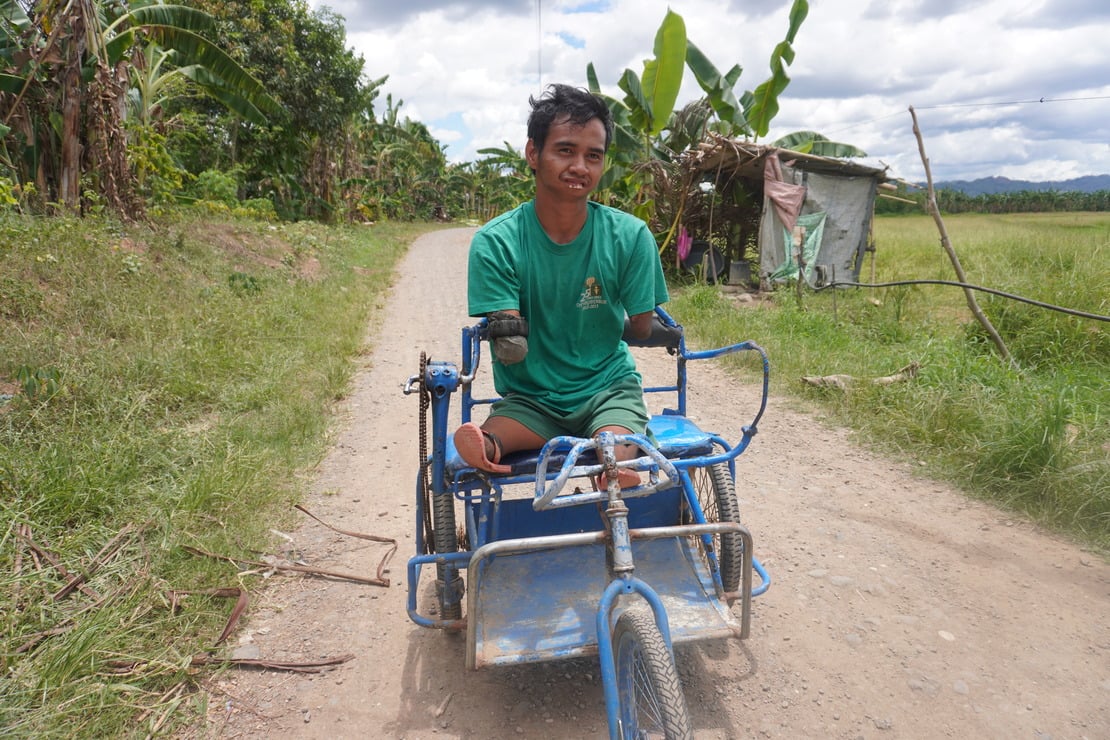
622, 583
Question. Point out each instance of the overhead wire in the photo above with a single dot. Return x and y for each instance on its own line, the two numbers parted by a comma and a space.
978, 104
968, 286
1010, 102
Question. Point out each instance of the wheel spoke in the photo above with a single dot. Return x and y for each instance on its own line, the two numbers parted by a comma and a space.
651, 700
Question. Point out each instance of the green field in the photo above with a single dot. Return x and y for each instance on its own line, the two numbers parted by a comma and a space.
1031, 433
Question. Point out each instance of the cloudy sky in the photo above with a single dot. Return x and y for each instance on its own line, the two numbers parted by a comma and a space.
1016, 88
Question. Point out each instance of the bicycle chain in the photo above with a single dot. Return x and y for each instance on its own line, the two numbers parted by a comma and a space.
425, 482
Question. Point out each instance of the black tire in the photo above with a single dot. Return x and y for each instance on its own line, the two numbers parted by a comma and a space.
446, 541
717, 495
652, 704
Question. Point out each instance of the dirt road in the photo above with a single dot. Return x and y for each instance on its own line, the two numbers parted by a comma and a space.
898, 608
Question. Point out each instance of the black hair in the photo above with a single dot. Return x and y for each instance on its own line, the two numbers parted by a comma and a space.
565, 102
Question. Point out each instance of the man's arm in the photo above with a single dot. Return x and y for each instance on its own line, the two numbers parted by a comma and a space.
658, 334
508, 333
640, 325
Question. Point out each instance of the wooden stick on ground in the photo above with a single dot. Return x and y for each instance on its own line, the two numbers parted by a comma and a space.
105, 554
371, 537
39, 551
291, 568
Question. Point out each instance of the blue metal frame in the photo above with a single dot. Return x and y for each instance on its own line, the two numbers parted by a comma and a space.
484, 508
619, 587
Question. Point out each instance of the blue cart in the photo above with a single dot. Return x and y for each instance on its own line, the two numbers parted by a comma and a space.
565, 570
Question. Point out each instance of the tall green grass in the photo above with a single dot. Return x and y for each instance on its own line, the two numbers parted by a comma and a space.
1033, 434
173, 379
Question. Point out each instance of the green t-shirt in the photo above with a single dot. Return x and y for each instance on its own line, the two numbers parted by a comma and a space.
575, 297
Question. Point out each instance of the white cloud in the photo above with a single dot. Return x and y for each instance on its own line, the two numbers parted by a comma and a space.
469, 67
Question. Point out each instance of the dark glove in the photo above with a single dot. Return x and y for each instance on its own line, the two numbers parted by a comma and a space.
509, 336
661, 335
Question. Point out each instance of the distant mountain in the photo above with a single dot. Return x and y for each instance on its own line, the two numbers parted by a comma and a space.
995, 185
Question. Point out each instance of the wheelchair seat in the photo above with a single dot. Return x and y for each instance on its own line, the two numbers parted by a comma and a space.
675, 436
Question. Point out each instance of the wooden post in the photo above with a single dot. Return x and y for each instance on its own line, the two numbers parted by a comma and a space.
799, 239
947, 244
871, 243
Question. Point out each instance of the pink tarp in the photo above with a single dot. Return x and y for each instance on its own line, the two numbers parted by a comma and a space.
787, 199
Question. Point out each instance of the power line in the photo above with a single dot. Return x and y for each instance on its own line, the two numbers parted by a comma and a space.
969, 286
981, 104
1010, 102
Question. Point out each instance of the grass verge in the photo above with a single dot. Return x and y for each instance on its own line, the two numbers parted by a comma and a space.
160, 387
1032, 435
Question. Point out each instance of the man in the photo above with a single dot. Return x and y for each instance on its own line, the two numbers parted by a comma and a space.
556, 277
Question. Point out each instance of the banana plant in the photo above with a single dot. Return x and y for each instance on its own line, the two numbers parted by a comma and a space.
67, 75
507, 160
172, 42
650, 98
811, 142
649, 135
764, 104
731, 121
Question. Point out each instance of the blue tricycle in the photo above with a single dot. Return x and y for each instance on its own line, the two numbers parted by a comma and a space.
565, 570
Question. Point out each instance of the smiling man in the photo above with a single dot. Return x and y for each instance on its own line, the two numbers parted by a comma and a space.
556, 277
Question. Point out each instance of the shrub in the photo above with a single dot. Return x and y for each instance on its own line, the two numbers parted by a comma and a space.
218, 187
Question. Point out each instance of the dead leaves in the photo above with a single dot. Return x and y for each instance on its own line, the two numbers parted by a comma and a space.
280, 565
33, 554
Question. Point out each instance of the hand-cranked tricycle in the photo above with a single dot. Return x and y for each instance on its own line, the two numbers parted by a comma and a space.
569, 570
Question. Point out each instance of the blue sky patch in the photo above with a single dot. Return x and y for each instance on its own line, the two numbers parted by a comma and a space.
572, 41
594, 6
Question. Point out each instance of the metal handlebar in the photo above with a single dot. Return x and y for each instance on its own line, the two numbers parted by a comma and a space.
547, 492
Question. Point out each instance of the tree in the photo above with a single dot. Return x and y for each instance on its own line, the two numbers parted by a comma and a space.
73, 63
301, 160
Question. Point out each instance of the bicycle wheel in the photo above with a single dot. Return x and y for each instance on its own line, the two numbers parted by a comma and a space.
446, 541
716, 494
652, 704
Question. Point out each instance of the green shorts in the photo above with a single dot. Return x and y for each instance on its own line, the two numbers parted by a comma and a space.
621, 405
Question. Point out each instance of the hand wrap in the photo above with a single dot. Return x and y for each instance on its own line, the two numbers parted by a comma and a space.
662, 335
509, 336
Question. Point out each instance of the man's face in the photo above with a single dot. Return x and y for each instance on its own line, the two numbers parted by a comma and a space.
571, 162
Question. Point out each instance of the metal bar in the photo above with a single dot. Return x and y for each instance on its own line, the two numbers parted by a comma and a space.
765, 579
420, 544
548, 497
507, 547
414, 565
608, 667
618, 587
688, 530
742, 346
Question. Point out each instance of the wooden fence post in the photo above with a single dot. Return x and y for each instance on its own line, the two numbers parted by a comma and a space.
947, 244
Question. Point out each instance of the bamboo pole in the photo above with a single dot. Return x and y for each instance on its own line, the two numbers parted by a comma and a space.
945, 242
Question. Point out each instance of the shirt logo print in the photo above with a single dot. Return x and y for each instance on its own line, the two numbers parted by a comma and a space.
591, 296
